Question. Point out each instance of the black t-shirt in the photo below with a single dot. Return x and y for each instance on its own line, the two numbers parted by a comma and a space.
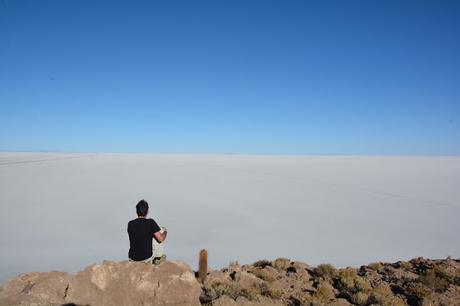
140, 233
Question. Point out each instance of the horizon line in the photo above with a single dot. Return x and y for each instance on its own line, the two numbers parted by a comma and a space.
231, 153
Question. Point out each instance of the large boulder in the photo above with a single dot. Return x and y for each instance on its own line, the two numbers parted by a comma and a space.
35, 288
109, 283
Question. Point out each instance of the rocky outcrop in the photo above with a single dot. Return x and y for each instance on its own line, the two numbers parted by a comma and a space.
418, 282
109, 283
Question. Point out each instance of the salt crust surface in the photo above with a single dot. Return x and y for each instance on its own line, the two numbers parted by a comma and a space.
63, 211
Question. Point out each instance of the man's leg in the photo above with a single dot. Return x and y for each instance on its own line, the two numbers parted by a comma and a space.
158, 252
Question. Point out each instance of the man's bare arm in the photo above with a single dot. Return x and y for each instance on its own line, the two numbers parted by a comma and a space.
161, 236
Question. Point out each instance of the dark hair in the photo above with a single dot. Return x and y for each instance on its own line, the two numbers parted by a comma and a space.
142, 208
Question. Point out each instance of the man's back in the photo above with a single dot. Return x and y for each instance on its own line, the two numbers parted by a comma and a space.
140, 233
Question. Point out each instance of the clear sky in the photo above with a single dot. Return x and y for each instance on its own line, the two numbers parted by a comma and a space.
280, 77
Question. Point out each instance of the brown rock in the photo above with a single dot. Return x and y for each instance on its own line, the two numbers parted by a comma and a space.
109, 283
48, 288
132, 283
247, 280
397, 274
217, 277
301, 268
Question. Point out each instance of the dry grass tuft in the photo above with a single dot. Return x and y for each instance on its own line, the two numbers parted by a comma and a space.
262, 263
234, 263
435, 280
420, 291
382, 295
362, 284
376, 266
233, 290
270, 291
404, 265
324, 293
347, 278
264, 274
326, 271
281, 263
360, 298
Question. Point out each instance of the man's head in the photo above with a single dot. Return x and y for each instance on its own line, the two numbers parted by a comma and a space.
142, 208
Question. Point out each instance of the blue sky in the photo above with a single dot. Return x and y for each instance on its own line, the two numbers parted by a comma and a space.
278, 77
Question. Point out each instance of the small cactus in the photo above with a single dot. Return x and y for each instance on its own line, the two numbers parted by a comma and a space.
203, 265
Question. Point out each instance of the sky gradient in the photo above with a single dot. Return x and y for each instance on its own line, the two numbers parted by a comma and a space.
265, 77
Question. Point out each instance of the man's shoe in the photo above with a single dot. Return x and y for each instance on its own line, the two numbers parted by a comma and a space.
159, 260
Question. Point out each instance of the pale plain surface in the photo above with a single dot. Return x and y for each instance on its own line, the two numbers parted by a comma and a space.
65, 211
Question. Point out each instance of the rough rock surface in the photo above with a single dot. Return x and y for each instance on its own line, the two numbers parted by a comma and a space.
109, 283
418, 282
35, 288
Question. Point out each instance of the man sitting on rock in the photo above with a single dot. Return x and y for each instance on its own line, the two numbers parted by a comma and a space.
141, 232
